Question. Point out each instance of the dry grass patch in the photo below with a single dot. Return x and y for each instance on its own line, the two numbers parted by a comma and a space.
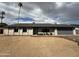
37, 46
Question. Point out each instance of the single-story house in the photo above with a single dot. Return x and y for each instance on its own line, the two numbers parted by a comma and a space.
39, 29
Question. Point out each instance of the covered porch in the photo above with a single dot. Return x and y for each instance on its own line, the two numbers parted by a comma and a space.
44, 31
54, 31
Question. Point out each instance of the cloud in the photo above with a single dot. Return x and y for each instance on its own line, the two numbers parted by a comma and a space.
44, 12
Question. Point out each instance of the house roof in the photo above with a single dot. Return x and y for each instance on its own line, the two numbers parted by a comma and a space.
38, 25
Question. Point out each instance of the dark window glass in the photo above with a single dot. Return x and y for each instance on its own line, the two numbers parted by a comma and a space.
15, 30
45, 30
24, 30
65, 29
1, 31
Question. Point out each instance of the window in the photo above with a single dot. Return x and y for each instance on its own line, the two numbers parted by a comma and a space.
1, 31
65, 28
24, 30
45, 30
15, 30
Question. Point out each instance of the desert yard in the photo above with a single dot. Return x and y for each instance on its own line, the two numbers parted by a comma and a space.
37, 46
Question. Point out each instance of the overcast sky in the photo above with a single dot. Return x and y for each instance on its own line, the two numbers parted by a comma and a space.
42, 12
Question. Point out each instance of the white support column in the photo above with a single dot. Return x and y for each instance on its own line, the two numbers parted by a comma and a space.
20, 31
74, 32
30, 31
11, 31
5, 31
56, 33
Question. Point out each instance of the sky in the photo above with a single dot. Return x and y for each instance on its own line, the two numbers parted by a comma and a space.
41, 12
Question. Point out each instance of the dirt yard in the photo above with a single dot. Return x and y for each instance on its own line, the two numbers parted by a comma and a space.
37, 46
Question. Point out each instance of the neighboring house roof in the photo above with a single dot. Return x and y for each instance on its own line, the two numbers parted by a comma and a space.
3, 24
